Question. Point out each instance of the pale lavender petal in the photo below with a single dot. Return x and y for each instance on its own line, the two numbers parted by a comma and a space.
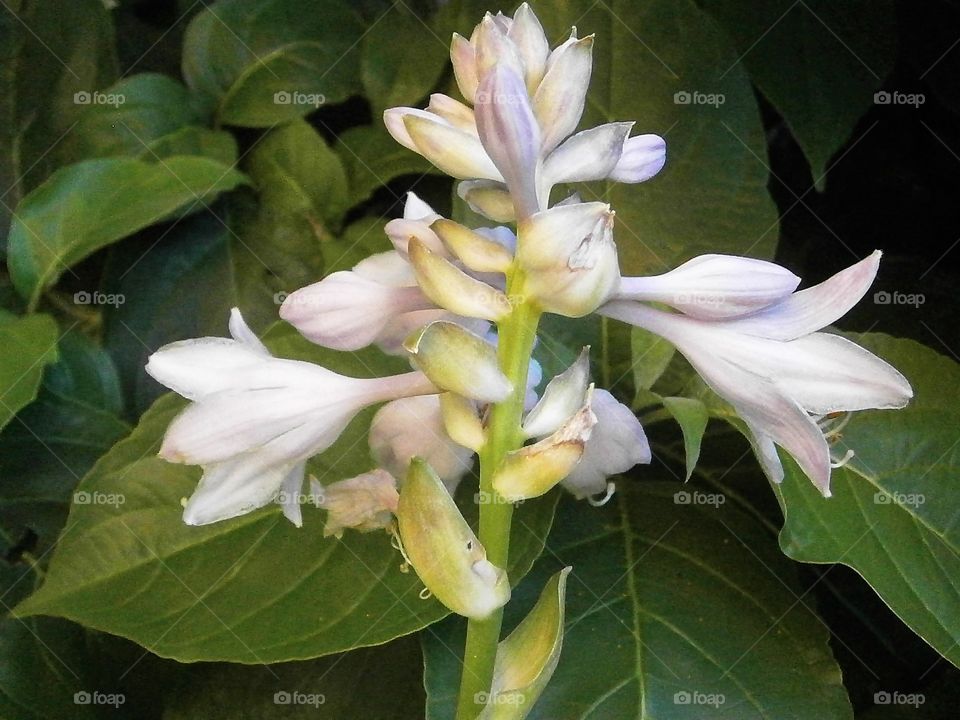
559, 100
589, 155
643, 157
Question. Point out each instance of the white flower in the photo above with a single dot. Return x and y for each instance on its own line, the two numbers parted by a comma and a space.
510, 149
255, 418
411, 427
778, 372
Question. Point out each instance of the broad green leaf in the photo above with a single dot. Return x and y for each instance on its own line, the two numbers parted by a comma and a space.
27, 344
359, 240
54, 441
89, 205
673, 611
402, 59
53, 51
334, 688
692, 416
372, 159
217, 145
818, 62
197, 593
262, 62
302, 183
127, 117
893, 511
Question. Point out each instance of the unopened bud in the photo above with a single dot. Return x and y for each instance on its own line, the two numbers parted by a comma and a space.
442, 548
488, 198
461, 421
475, 251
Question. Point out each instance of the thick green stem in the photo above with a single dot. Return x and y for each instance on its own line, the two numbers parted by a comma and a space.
516, 338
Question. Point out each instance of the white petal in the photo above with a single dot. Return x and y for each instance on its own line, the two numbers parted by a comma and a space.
510, 134
490, 199
616, 445
559, 100
816, 307
643, 157
241, 332
527, 34
416, 209
453, 151
236, 487
386, 268
714, 286
413, 427
553, 235
454, 112
464, 58
393, 120
401, 231
563, 396
203, 366
291, 495
345, 311
589, 155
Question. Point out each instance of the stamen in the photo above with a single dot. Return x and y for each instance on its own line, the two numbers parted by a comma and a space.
844, 460
425, 594
831, 424
397, 544
611, 489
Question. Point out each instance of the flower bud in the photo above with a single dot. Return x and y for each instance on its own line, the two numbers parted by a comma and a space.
562, 397
453, 151
464, 58
528, 656
461, 421
569, 258
442, 548
533, 470
643, 157
475, 251
532, 45
488, 198
456, 360
560, 97
451, 288
589, 155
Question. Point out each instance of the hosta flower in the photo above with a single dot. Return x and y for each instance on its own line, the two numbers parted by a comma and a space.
515, 144
778, 372
365, 502
255, 419
413, 427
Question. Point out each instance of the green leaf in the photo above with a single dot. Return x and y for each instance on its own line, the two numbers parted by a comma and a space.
217, 145
87, 206
27, 344
692, 416
197, 593
668, 602
817, 62
56, 439
402, 59
372, 159
332, 688
52, 49
711, 196
893, 510
302, 183
264, 62
129, 115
